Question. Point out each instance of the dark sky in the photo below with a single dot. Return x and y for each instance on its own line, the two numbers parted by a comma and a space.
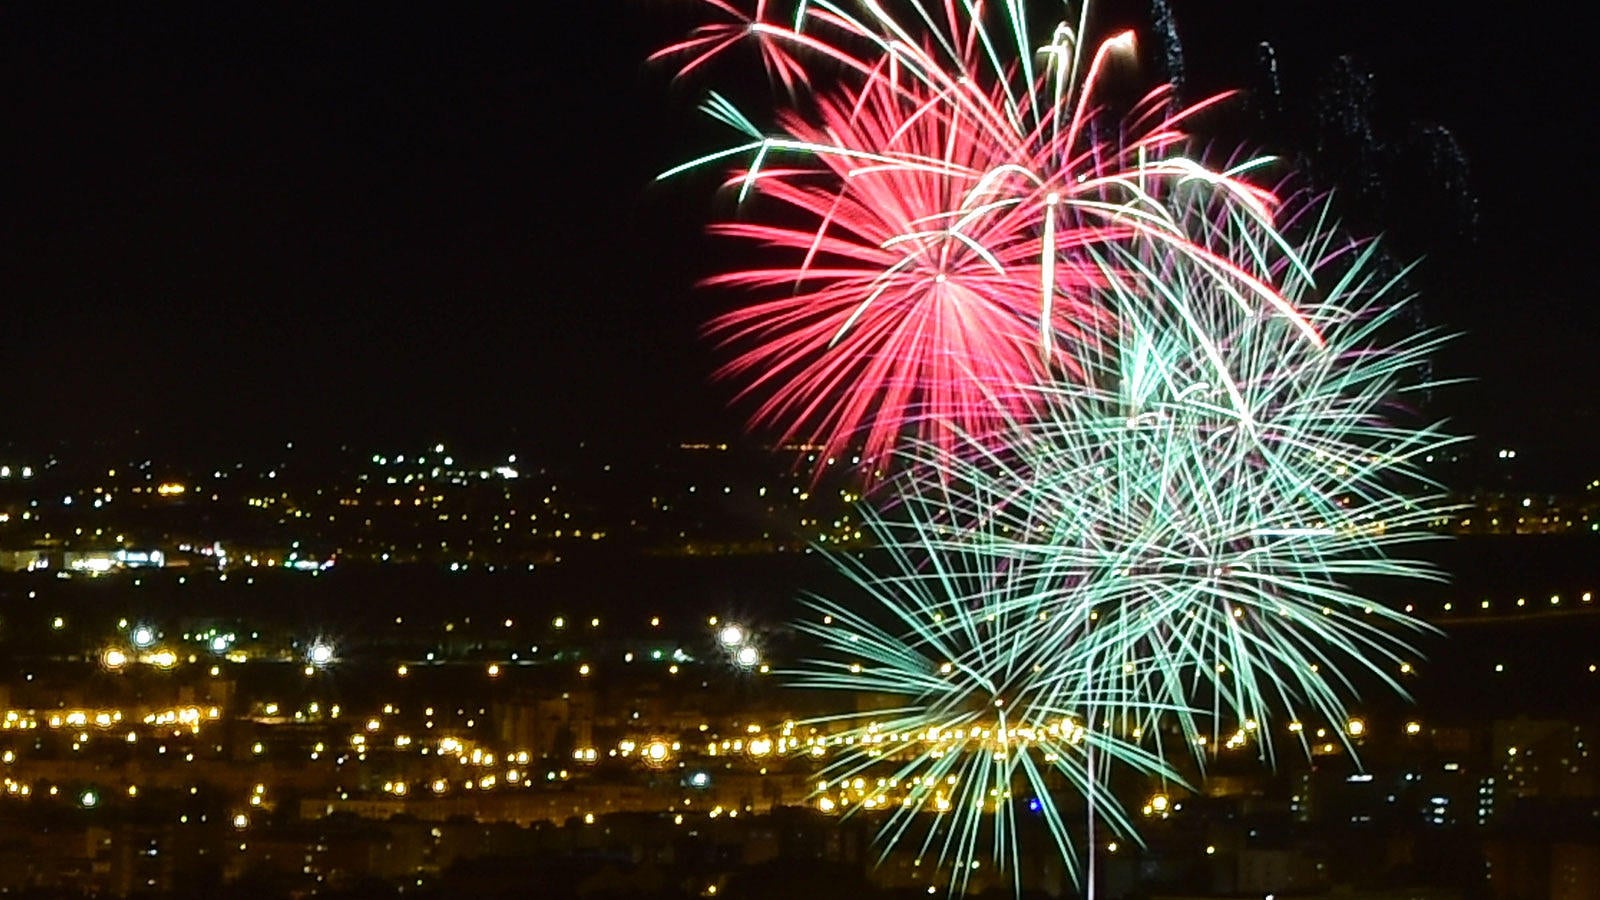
229, 223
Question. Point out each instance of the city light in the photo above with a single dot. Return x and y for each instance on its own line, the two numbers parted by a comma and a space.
174, 731
320, 654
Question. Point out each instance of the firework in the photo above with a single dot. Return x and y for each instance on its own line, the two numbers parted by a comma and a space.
1165, 547
991, 728
1213, 487
934, 206
1147, 442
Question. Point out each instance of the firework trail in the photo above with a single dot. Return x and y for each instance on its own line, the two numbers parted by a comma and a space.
933, 194
1268, 95
1347, 140
1441, 170
1166, 25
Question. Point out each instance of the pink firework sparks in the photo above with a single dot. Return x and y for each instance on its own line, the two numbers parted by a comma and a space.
735, 27
940, 215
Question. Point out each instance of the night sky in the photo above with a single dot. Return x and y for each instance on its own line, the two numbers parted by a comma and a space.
355, 222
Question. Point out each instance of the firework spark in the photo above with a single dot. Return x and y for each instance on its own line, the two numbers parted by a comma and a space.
1169, 542
1216, 483
992, 729
934, 207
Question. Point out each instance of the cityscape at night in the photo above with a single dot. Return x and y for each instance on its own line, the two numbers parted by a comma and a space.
756, 449
211, 683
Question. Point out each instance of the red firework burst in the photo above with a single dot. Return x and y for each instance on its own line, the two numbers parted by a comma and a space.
939, 219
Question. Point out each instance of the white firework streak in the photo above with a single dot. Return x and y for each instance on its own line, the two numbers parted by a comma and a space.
1164, 552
